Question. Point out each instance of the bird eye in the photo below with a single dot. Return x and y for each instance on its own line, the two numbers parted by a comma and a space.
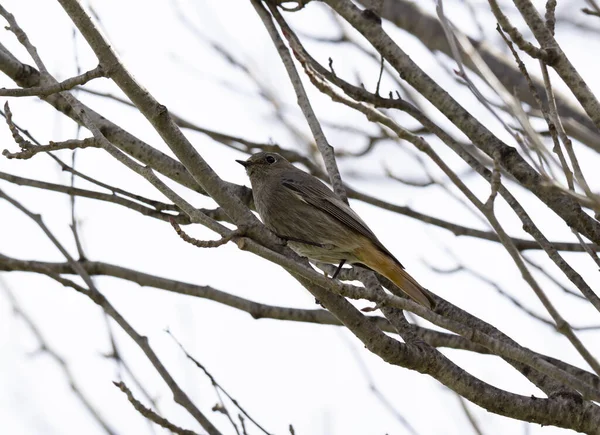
270, 159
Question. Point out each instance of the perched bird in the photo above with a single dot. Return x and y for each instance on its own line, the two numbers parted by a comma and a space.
317, 224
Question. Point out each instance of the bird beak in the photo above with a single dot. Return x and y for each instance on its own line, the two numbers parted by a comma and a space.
244, 163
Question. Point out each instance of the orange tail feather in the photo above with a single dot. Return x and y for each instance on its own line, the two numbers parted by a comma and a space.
385, 265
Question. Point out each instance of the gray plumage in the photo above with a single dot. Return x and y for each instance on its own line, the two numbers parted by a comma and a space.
317, 224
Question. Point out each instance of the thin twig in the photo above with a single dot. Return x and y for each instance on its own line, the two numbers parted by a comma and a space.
150, 414
469, 415
259, 311
180, 218
385, 402
65, 85
240, 232
215, 383
31, 151
93, 293
46, 348
327, 151
374, 115
23, 39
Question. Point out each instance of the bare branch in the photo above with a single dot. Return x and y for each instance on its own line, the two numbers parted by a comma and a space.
410, 17
23, 39
559, 61
46, 348
325, 148
509, 159
206, 243
217, 386
65, 85
93, 293
156, 211
159, 117
151, 415
31, 151
470, 416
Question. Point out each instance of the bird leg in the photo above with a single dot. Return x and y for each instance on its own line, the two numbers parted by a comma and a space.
337, 271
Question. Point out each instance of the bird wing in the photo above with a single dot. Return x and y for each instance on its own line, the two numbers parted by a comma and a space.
312, 191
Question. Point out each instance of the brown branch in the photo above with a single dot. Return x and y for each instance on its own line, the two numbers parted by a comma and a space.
590, 12
313, 69
480, 277
559, 62
46, 348
155, 212
379, 395
419, 143
150, 414
23, 39
240, 232
179, 396
65, 85
326, 150
516, 36
217, 386
264, 311
498, 347
32, 150
372, 114
195, 215
410, 17
15, 130
528, 224
92, 292
175, 171
507, 156
158, 116
470, 417
255, 309
27, 76
551, 15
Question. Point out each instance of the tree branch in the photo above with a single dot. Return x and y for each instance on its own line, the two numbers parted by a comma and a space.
65, 85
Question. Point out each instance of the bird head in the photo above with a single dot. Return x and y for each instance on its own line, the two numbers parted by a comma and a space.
263, 163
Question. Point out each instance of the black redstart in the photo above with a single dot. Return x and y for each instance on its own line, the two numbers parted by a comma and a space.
301, 209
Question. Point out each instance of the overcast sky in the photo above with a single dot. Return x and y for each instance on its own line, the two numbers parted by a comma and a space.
314, 377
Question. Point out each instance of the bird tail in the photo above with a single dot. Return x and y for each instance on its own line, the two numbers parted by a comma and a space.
392, 270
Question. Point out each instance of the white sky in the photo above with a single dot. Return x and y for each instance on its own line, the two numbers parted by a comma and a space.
281, 372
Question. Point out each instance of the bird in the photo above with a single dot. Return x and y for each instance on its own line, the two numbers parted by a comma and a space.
317, 224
